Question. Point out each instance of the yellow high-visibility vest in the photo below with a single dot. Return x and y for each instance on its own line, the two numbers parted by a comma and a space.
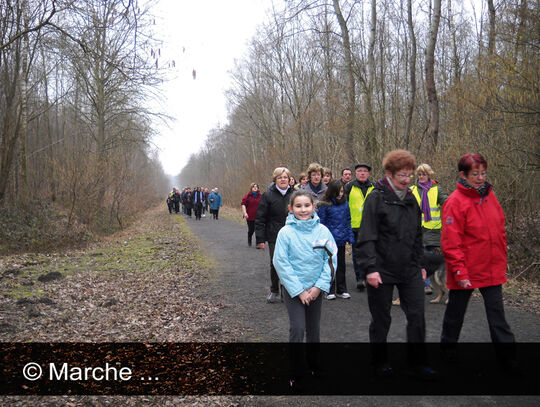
434, 209
356, 205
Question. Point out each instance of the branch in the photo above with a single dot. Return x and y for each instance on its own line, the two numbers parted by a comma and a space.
29, 30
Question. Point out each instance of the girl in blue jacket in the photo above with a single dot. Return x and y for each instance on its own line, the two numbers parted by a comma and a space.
304, 258
334, 213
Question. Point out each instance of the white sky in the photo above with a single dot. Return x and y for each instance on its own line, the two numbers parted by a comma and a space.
206, 36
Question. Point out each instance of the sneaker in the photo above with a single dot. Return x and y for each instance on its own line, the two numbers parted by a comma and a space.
272, 298
361, 284
331, 297
344, 295
428, 290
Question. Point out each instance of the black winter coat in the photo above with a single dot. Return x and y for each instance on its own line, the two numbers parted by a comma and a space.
271, 214
390, 236
188, 200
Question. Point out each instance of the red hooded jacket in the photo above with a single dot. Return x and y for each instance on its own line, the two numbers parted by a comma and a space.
473, 239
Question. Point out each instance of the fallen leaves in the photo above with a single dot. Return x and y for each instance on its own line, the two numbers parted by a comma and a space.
147, 284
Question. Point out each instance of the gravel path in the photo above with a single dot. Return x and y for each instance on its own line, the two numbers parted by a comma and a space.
243, 285
228, 303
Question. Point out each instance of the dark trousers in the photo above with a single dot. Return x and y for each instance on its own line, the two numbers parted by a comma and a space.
303, 320
251, 230
493, 302
176, 207
170, 205
359, 273
340, 281
188, 211
198, 210
215, 213
411, 294
274, 278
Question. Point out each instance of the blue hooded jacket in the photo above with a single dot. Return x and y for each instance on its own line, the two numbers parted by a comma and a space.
297, 263
337, 218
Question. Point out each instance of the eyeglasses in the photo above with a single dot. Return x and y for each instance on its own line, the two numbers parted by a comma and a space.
403, 176
478, 174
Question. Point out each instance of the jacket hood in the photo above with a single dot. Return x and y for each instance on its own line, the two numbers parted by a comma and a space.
306, 225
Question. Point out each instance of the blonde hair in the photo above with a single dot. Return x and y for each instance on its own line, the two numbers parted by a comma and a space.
314, 167
425, 169
278, 171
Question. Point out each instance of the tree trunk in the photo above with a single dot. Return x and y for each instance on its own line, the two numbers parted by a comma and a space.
431, 90
351, 88
455, 55
371, 134
23, 87
10, 130
491, 34
412, 75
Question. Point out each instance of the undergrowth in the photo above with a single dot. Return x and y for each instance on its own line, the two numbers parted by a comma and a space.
39, 226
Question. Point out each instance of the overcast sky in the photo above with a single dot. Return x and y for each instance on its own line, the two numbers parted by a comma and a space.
205, 36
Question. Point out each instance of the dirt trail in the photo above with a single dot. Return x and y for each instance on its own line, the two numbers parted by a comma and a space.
169, 278
139, 285
243, 280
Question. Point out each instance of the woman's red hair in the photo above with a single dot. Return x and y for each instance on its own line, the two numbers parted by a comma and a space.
470, 160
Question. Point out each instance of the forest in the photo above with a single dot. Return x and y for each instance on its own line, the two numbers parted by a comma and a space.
341, 82
76, 79
336, 82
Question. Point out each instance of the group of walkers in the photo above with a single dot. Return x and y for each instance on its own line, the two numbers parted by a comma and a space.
306, 227
198, 200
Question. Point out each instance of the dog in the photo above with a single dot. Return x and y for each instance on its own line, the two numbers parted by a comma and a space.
436, 270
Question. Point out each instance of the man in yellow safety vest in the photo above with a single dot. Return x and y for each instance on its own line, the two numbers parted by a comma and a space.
357, 191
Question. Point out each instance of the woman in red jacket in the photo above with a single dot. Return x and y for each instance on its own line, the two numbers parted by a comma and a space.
473, 241
250, 204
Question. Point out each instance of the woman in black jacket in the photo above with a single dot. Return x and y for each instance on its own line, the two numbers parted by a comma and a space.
271, 215
389, 248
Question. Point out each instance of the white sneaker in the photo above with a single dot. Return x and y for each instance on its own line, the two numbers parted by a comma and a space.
331, 297
344, 295
272, 298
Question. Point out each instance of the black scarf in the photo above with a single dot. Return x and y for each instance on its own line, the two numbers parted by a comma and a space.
482, 191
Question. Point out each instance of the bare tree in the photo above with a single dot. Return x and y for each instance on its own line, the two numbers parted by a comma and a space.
491, 33
431, 90
351, 84
412, 74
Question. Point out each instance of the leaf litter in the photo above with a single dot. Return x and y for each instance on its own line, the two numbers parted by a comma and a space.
144, 284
